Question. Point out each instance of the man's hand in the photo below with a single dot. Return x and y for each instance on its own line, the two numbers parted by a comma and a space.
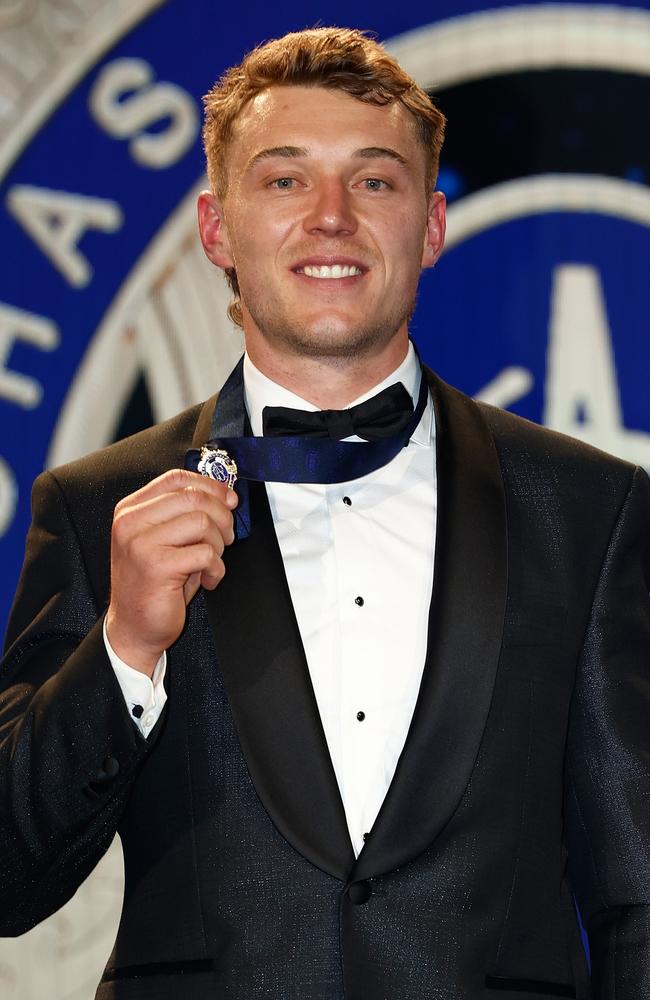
167, 540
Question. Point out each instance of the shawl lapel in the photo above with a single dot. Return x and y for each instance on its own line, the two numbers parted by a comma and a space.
266, 676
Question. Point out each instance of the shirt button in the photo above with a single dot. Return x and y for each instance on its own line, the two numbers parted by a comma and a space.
361, 716
359, 601
148, 719
347, 501
137, 711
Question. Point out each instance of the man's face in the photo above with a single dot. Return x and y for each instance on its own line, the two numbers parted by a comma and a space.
325, 220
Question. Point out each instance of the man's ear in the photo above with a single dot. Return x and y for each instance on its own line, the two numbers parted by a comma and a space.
213, 231
434, 236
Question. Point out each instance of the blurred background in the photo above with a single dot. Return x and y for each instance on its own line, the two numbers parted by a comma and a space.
111, 318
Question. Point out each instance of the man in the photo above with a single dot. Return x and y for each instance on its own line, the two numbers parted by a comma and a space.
324, 787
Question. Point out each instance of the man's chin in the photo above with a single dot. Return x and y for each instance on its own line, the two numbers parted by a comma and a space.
335, 336
333, 333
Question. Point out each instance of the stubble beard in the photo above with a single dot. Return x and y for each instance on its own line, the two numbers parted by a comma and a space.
329, 341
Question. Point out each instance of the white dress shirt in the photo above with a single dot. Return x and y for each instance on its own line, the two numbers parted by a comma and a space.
358, 558
145, 696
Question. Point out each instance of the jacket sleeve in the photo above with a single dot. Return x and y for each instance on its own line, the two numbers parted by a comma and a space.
608, 761
69, 751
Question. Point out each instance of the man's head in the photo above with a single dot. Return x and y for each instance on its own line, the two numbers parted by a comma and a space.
321, 150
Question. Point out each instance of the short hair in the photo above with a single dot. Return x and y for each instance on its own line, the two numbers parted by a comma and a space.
336, 58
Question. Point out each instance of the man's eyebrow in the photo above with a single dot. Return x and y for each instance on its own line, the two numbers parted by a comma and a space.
380, 152
289, 152
293, 152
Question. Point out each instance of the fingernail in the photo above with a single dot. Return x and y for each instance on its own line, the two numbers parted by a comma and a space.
231, 499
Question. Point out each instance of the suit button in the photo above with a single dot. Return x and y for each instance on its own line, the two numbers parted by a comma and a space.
100, 781
109, 769
359, 892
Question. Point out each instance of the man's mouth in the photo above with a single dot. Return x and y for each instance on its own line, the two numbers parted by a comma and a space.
331, 271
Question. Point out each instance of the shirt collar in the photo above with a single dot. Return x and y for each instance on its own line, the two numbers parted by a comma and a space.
261, 391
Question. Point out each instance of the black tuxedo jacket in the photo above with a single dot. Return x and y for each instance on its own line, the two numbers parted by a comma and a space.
524, 779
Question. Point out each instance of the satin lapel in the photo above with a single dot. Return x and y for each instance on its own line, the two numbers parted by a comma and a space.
262, 660
464, 642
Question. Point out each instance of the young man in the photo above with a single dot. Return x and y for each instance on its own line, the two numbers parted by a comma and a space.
365, 730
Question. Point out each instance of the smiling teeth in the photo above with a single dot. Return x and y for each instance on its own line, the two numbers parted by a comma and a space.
331, 271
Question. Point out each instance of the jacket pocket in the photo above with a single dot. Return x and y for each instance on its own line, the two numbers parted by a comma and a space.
192, 980
529, 987
182, 968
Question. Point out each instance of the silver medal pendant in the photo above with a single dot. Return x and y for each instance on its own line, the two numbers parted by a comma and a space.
217, 464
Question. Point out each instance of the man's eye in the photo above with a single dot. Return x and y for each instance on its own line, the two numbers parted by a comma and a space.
374, 184
283, 183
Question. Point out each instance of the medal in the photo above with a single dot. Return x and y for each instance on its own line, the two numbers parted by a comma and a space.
217, 464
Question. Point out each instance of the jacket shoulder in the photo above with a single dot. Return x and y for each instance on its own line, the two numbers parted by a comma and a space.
535, 458
517, 433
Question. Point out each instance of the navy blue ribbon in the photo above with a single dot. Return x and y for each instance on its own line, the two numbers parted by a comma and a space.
292, 459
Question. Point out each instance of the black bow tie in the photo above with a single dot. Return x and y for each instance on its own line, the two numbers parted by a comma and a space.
382, 416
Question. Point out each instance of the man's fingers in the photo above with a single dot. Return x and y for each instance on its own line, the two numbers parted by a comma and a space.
150, 547
163, 508
201, 559
175, 480
191, 586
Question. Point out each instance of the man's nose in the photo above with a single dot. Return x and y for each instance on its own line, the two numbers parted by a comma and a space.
331, 212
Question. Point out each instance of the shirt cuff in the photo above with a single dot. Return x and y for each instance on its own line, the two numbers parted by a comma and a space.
145, 697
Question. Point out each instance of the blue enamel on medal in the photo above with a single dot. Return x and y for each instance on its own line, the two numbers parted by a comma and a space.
217, 464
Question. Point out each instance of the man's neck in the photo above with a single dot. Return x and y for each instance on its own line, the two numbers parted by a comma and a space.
261, 392
329, 383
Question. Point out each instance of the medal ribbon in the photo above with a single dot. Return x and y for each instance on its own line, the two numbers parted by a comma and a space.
293, 458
